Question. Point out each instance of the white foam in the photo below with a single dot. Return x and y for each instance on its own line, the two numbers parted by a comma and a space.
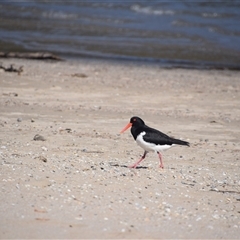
58, 15
149, 10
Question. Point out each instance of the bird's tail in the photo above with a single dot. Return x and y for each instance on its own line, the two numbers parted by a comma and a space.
180, 142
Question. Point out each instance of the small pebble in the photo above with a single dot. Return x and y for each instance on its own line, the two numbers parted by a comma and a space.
216, 216
44, 148
38, 137
41, 158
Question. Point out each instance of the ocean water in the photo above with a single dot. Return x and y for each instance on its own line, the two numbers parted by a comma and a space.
192, 34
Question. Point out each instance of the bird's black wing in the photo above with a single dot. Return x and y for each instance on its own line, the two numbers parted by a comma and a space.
154, 136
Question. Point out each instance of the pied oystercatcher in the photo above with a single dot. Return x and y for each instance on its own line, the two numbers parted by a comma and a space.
150, 139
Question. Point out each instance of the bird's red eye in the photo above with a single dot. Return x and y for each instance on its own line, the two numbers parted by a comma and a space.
134, 119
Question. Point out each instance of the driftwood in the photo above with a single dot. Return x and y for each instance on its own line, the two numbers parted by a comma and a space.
30, 55
12, 69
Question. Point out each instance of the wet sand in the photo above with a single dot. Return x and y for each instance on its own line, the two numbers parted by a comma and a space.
76, 183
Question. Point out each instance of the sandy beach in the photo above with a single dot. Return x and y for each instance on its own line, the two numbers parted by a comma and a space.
73, 180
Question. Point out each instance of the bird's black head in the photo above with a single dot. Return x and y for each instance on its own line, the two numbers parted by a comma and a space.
136, 121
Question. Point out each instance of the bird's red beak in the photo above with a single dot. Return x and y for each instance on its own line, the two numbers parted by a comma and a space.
126, 127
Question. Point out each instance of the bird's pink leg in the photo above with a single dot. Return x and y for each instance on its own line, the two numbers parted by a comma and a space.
161, 161
136, 163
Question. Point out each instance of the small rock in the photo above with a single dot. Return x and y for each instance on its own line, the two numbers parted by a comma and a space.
19, 119
213, 121
38, 137
42, 158
44, 148
97, 107
198, 219
216, 216
13, 94
69, 130
80, 75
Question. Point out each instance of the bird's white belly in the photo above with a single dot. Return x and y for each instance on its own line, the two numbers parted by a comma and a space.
150, 147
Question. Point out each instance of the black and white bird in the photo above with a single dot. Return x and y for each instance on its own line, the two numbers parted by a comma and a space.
150, 139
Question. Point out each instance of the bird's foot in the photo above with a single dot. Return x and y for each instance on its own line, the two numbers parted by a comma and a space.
132, 166
161, 166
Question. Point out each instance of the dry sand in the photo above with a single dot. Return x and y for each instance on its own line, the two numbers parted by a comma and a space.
76, 183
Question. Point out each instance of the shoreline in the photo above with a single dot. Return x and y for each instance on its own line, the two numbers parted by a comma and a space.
76, 183
162, 63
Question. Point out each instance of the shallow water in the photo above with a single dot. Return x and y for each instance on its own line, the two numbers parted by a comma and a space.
174, 33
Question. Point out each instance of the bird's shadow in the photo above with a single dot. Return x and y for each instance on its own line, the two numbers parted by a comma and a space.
125, 166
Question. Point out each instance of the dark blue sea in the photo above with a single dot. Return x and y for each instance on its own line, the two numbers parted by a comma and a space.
192, 34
